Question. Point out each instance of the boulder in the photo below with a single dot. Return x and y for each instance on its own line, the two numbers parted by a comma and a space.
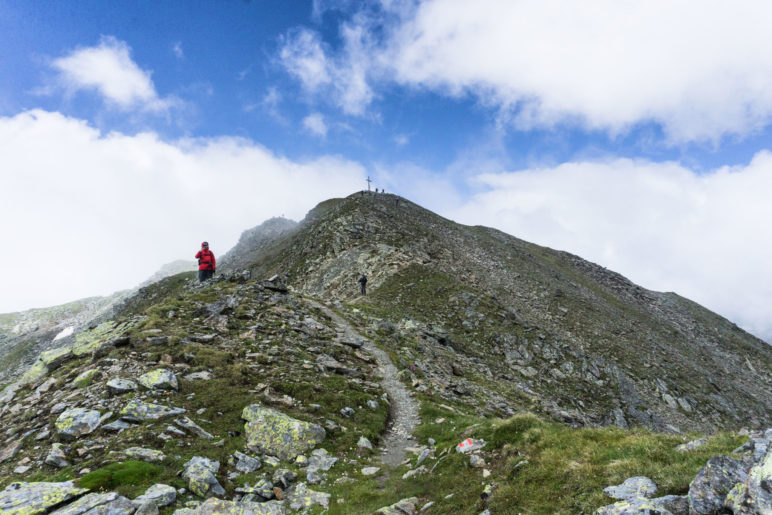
159, 379
200, 474
87, 503
321, 460
219, 507
407, 506
32, 498
244, 463
137, 411
119, 386
159, 494
57, 457
192, 428
140, 453
272, 432
300, 497
77, 422
713, 482
755, 494
10, 450
633, 487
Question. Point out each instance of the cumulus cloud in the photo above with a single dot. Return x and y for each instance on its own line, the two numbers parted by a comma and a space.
341, 78
660, 224
109, 70
89, 213
314, 123
700, 72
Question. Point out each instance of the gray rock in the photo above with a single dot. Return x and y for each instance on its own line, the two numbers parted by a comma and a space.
634, 506
407, 506
57, 457
192, 428
415, 472
32, 498
300, 497
424, 454
140, 453
313, 477
120, 506
246, 464
219, 507
694, 444
369, 471
86, 503
633, 487
713, 482
274, 433
347, 412
199, 376
159, 379
116, 426
137, 411
159, 494
77, 422
200, 474
476, 461
263, 488
147, 508
120, 386
372, 404
283, 477
320, 459
10, 450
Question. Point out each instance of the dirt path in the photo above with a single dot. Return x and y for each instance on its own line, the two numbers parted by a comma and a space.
403, 414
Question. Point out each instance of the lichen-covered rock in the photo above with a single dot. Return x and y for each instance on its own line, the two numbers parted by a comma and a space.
713, 482
633, 487
138, 411
244, 463
140, 453
274, 433
159, 379
300, 497
119, 386
161, 495
407, 506
219, 507
262, 488
321, 460
634, 506
120, 506
200, 473
77, 422
86, 378
755, 494
88, 502
32, 498
193, 428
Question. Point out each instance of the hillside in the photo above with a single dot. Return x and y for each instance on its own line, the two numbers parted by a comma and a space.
277, 388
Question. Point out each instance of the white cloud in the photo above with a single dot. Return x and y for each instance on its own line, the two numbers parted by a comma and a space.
342, 79
665, 227
701, 72
314, 123
89, 213
109, 70
177, 50
401, 140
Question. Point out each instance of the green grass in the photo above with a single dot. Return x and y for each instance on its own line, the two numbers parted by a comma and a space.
129, 478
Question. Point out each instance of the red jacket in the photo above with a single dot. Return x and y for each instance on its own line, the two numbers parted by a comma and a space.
205, 260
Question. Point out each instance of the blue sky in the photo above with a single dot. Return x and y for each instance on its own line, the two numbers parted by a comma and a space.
634, 135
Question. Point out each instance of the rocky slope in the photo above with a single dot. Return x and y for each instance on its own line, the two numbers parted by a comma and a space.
526, 322
24, 335
465, 381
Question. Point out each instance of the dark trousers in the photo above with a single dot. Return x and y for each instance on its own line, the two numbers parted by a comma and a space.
364, 288
203, 275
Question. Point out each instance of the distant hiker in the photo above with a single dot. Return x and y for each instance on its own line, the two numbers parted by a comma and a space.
206, 263
363, 283
396, 202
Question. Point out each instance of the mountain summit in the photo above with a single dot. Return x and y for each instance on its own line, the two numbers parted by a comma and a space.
525, 320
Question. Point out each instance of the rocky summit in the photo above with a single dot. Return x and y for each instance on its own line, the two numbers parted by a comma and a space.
478, 374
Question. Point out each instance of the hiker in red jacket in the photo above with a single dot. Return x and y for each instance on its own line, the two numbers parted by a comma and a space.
206, 263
